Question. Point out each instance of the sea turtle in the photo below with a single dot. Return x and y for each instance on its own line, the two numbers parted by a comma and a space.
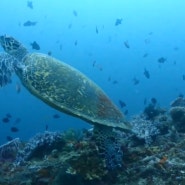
59, 85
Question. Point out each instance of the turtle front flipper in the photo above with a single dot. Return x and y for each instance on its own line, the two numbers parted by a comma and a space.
6, 68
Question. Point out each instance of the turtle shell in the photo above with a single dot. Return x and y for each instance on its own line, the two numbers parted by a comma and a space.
68, 90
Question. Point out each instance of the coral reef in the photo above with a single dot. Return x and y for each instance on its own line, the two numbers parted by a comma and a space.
154, 153
145, 129
8, 151
177, 113
109, 146
40, 145
178, 118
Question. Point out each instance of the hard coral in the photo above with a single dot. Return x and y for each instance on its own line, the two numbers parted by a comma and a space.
8, 151
178, 118
41, 145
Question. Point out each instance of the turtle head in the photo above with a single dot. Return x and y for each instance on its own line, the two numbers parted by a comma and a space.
13, 47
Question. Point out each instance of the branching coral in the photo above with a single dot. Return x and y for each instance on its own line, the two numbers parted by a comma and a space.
145, 129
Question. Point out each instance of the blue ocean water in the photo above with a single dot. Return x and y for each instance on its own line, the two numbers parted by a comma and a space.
84, 34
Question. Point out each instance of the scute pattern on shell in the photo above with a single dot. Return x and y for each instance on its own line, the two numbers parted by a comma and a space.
68, 90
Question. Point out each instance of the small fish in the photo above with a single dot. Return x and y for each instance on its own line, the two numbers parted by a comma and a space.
109, 78
122, 104
30, 4
35, 45
176, 48
126, 44
145, 55
8, 115
99, 67
14, 129
94, 63
162, 60
60, 47
76, 43
70, 26
56, 116
49, 53
183, 77
97, 30
181, 95
18, 87
126, 112
46, 127
6, 120
136, 81
29, 23
146, 73
75, 13
154, 101
115, 82
118, 22
9, 138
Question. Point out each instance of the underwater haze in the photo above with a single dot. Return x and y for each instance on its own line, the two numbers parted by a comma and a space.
134, 50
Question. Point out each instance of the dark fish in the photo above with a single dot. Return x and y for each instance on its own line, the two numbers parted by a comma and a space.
136, 81
46, 127
56, 116
126, 112
8, 115
147, 74
75, 13
9, 138
97, 30
70, 26
161, 60
181, 95
6, 120
154, 101
176, 48
183, 77
49, 53
29, 23
18, 120
99, 67
126, 44
109, 79
118, 22
35, 45
115, 82
14, 129
145, 55
145, 101
122, 104
94, 63
76, 43
18, 87
60, 47
30, 4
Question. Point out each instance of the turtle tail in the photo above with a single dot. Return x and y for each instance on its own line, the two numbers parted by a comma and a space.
6, 68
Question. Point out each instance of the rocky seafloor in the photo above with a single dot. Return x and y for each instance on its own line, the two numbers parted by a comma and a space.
153, 153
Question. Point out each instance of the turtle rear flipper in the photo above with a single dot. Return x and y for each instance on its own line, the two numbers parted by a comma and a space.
6, 68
